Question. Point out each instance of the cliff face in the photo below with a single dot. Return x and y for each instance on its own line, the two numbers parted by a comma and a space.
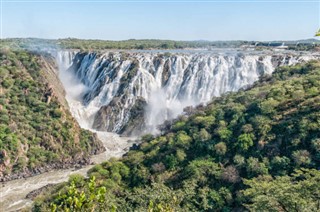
37, 131
134, 91
240, 152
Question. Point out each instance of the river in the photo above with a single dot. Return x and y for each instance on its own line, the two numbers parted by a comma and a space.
13, 193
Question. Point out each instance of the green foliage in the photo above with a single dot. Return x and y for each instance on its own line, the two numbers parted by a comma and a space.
33, 132
298, 192
183, 139
206, 121
90, 198
280, 165
220, 148
245, 141
239, 152
255, 167
37, 44
179, 125
301, 157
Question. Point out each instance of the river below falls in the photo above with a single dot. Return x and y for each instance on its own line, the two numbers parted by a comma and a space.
13, 193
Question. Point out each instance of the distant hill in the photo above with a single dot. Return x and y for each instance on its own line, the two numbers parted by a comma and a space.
37, 44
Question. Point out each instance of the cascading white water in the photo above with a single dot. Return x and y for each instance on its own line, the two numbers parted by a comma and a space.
167, 83
175, 81
74, 89
74, 94
13, 193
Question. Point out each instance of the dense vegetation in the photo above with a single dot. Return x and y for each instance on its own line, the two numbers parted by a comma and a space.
36, 130
73, 43
143, 44
256, 149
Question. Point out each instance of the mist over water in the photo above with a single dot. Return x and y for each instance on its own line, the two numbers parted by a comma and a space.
186, 79
159, 109
13, 193
166, 82
75, 90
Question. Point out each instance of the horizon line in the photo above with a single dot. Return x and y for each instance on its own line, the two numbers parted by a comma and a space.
159, 39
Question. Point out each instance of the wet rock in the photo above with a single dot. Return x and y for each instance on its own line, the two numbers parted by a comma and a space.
179, 80
107, 118
70, 163
33, 194
166, 73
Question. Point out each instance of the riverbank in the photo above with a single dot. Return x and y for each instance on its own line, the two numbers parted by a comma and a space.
13, 193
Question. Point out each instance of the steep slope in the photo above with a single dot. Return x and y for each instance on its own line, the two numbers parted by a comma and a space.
201, 161
134, 91
37, 132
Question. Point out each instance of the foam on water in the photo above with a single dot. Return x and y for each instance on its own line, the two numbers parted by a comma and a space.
13, 193
168, 82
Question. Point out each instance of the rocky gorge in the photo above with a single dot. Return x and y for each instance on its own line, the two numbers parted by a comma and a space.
132, 92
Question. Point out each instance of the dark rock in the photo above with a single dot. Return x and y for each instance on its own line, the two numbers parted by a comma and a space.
33, 194
70, 163
166, 73
107, 118
127, 77
134, 147
136, 121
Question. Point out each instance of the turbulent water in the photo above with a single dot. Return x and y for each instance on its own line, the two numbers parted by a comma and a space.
13, 193
134, 91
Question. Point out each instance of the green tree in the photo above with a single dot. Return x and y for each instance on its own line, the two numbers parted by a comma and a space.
299, 192
92, 198
254, 167
245, 141
301, 157
220, 148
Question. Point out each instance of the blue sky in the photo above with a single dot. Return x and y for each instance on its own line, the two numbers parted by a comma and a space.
178, 20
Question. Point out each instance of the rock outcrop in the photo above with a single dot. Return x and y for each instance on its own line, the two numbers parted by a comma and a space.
116, 82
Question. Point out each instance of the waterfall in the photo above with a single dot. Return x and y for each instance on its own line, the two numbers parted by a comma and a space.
134, 91
74, 89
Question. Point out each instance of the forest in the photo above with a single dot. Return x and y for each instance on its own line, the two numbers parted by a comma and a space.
37, 131
36, 44
256, 149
